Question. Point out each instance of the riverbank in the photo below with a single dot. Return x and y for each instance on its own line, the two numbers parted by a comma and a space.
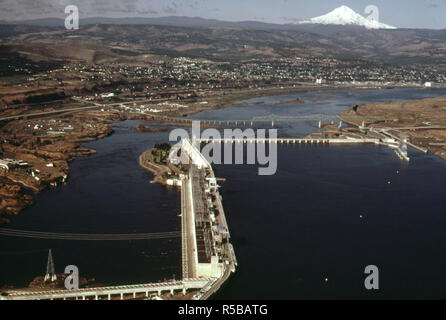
160, 172
421, 122
333, 174
48, 143
36, 158
52, 150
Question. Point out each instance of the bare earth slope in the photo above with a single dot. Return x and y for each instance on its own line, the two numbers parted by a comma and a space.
422, 121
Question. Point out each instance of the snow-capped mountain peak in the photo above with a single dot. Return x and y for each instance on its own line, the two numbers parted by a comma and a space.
346, 16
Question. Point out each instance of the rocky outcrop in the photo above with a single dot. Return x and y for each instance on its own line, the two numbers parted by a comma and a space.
13, 199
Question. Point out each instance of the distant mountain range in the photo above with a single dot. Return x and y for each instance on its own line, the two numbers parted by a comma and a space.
342, 16
174, 21
342, 34
346, 16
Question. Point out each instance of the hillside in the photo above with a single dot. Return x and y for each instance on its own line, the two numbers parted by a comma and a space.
225, 44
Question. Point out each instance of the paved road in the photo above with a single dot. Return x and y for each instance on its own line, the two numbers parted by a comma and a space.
189, 229
95, 105
20, 116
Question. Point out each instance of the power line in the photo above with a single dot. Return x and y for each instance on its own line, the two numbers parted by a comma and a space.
88, 237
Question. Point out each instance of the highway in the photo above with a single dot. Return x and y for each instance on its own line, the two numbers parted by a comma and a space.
20, 116
188, 229
94, 106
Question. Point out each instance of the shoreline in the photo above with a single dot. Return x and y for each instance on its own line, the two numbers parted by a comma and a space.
73, 147
159, 170
234, 98
422, 123
145, 161
45, 166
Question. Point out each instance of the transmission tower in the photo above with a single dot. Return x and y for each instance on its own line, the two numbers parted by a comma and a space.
50, 273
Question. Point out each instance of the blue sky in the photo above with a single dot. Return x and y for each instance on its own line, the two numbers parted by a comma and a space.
400, 13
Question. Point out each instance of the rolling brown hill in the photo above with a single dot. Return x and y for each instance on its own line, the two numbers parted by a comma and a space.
98, 43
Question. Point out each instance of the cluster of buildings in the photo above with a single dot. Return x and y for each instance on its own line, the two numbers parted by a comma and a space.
151, 108
50, 127
195, 74
8, 164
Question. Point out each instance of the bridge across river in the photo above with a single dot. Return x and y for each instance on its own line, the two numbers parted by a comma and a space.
255, 120
245, 140
110, 293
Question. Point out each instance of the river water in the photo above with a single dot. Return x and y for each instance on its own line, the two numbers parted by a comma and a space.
307, 232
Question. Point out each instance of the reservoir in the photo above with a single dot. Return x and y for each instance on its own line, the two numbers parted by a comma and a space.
307, 232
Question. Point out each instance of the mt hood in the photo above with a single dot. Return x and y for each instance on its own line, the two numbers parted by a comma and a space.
346, 16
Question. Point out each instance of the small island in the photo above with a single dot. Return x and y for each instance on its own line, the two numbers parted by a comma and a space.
143, 128
297, 100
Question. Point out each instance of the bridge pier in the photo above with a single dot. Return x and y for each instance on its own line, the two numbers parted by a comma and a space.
122, 296
134, 295
109, 296
96, 297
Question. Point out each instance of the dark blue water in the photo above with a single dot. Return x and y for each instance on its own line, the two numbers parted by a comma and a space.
302, 225
290, 230
106, 193
295, 229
